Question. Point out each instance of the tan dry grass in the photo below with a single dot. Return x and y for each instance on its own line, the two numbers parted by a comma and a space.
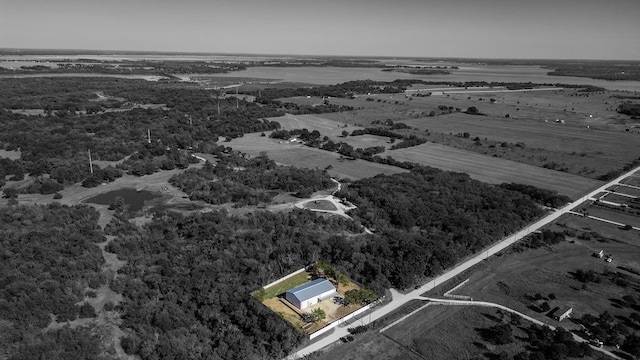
494, 170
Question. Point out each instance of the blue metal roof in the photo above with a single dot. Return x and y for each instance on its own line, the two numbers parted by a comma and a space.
312, 289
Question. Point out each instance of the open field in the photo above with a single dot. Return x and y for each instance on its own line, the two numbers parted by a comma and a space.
295, 154
326, 127
450, 332
320, 205
584, 141
12, 155
494, 170
513, 279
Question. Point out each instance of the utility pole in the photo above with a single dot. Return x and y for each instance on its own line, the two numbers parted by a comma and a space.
90, 162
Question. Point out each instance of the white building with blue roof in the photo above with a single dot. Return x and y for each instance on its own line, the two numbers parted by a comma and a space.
311, 293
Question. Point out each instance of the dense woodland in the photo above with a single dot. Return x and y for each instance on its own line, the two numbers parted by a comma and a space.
235, 179
48, 262
189, 278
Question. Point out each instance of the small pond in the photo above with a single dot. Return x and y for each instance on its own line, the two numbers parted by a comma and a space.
133, 198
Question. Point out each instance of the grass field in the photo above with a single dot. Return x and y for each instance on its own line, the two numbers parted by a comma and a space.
494, 170
287, 284
514, 278
294, 154
320, 205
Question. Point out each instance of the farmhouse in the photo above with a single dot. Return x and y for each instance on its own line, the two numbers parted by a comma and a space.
311, 293
562, 313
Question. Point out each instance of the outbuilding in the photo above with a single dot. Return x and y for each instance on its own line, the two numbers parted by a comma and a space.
311, 293
562, 313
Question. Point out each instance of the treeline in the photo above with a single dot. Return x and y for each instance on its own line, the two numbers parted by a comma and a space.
604, 71
300, 109
630, 109
544, 197
377, 131
235, 179
343, 90
409, 141
48, 260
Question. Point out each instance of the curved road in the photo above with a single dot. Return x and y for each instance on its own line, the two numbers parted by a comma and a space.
400, 299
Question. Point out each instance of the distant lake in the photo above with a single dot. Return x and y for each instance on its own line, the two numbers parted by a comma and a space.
135, 199
474, 72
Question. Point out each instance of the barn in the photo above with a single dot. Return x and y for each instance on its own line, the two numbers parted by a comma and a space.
311, 293
562, 313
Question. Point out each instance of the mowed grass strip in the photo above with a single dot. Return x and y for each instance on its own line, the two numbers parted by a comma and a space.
287, 284
494, 170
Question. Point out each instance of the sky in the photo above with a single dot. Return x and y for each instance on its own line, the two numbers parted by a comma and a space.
540, 29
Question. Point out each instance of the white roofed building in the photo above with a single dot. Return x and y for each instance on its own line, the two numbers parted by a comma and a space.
311, 293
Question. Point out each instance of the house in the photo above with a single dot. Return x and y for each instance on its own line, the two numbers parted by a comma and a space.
562, 313
311, 293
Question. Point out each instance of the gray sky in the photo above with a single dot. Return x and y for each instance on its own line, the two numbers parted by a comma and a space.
556, 29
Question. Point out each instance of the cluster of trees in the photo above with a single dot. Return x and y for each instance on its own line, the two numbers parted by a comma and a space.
409, 141
541, 342
545, 343
299, 109
311, 139
611, 331
630, 109
360, 296
544, 238
248, 181
48, 258
322, 269
541, 196
377, 131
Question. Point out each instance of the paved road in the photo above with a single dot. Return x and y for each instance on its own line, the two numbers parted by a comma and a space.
400, 299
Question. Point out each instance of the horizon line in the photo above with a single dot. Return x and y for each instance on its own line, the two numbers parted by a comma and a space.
42, 51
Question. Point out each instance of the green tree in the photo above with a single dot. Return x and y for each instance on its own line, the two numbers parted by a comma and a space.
318, 315
117, 204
